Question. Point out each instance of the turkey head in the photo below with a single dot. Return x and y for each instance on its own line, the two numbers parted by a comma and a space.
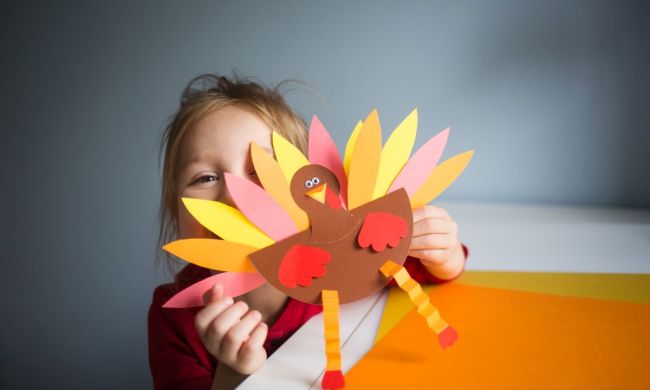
315, 189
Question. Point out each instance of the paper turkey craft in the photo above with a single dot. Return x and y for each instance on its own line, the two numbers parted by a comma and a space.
323, 230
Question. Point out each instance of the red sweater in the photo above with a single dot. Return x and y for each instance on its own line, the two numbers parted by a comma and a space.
177, 357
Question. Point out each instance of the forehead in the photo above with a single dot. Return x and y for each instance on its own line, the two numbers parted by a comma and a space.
227, 132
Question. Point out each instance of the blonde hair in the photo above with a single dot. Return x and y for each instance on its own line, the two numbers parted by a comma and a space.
204, 95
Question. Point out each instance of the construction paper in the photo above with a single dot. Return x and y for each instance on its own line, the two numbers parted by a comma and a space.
214, 254
226, 222
398, 305
234, 285
353, 271
289, 157
332, 200
301, 264
396, 153
333, 378
420, 166
333, 222
318, 193
446, 334
260, 208
382, 229
273, 180
310, 243
513, 339
441, 178
364, 162
323, 151
349, 147
624, 287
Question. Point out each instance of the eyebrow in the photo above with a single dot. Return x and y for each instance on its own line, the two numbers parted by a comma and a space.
195, 158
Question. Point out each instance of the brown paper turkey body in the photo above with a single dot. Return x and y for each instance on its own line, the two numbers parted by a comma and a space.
321, 229
342, 246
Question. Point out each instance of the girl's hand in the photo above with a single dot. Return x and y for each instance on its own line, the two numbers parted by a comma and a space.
231, 332
435, 242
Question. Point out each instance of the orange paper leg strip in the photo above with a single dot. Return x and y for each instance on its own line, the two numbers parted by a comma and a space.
446, 334
333, 378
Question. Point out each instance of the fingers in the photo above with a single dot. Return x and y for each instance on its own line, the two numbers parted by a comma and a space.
214, 321
230, 332
426, 212
432, 256
238, 334
255, 342
256, 339
222, 324
434, 226
252, 353
213, 294
205, 316
433, 241
435, 235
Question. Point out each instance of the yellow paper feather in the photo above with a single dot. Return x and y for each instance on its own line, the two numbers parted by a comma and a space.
349, 147
289, 157
396, 153
226, 222
441, 178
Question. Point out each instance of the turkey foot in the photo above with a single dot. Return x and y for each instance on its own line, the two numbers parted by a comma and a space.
333, 378
446, 334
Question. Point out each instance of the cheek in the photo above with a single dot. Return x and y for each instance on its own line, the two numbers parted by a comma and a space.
188, 227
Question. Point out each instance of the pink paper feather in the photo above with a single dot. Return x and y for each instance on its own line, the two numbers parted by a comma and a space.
234, 285
323, 151
419, 167
260, 208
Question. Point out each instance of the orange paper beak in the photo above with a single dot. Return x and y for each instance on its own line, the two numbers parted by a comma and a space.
318, 193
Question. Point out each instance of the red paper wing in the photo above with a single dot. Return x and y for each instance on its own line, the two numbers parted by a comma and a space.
381, 229
301, 264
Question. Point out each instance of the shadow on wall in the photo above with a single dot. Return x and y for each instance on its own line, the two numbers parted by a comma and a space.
583, 69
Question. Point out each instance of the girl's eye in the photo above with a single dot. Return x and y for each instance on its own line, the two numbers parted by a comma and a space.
309, 184
205, 179
315, 180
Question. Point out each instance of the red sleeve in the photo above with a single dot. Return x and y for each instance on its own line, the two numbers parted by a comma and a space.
420, 274
177, 357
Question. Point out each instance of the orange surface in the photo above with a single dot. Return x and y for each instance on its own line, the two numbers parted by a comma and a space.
514, 339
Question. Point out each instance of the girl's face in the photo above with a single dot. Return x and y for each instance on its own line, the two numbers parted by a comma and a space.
220, 142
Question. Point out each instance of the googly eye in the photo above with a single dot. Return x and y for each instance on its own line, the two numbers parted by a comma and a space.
315, 180
309, 184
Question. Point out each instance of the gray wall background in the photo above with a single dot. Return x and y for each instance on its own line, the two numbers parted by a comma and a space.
553, 95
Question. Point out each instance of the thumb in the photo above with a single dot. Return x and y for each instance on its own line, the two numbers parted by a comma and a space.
213, 294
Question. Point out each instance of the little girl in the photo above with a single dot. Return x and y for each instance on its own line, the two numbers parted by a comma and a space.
218, 345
